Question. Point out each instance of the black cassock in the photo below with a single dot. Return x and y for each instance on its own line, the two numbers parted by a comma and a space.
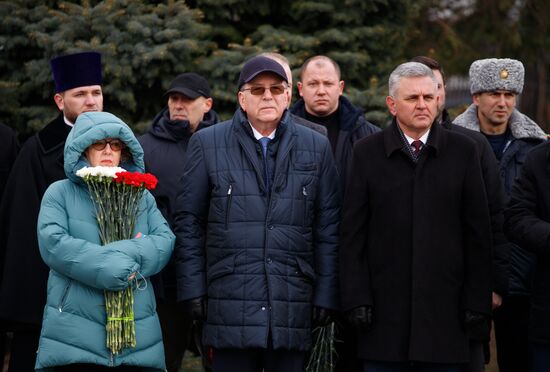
24, 274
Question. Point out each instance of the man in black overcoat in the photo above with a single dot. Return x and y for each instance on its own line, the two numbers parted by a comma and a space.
528, 225
416, 236
8, 152
40, 163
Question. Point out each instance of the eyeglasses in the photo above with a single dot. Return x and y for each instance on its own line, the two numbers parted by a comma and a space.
259, 90
115, 144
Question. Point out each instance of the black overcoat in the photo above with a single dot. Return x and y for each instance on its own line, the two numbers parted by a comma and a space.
24, 277
416, 245
497, 199
8, 152
527, 223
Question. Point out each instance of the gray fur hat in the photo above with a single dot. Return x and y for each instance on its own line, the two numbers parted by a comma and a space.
491, 74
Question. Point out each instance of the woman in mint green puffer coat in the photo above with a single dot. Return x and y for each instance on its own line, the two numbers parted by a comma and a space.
73, 329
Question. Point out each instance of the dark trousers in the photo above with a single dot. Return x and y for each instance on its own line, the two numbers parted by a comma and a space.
3, 339
24, 346
511, 322
176, 332
372, 366
346, 348
257, 360
477, 358
540, 358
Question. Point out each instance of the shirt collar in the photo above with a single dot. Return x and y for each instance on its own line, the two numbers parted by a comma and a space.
67, 121
424, 137
258, 135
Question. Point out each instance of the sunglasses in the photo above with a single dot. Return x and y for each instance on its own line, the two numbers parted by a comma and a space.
115, 144
259, 90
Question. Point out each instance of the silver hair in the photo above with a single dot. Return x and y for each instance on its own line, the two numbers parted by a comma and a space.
408, 69
276, 56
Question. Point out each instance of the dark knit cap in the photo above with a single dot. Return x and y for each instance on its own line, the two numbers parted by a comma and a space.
76, 70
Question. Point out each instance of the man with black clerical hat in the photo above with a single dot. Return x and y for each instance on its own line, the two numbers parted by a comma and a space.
24, 275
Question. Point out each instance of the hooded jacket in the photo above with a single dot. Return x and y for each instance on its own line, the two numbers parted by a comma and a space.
38, 165
525, 134
81, 269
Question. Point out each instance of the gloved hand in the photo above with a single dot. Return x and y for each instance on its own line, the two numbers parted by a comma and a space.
195, 308
361, 317
476, 325
321, 316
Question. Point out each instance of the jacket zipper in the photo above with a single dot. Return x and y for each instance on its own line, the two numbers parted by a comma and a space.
267, 276
229, 195
304, 193
64, 296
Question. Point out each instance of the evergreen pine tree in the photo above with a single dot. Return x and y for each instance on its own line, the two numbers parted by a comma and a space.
143, 46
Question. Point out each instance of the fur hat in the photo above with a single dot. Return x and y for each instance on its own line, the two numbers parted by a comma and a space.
492, 74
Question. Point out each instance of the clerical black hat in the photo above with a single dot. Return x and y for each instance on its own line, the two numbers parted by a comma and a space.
76, 70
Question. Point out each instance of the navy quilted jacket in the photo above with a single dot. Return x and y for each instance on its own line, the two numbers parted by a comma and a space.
262, 261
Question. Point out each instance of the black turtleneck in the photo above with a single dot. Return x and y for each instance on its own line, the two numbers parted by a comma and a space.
331, 122
498, 142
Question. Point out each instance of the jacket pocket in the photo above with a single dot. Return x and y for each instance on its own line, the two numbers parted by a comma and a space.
64, 295
305, 269
222, 268
305, 167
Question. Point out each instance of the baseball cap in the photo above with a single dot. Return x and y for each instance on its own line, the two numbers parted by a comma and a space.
257, 65
190, 85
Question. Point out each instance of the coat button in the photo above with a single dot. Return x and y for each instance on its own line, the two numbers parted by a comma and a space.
271, 227
263, 308
269, 260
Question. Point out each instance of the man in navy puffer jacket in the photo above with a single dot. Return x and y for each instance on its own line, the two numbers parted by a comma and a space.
257, 229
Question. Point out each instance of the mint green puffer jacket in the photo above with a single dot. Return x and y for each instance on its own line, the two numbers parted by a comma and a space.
73, 328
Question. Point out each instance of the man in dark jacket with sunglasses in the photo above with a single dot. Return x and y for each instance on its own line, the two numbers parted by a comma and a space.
257, 229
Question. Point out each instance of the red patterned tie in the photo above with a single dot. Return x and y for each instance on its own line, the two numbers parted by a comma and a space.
416, 146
